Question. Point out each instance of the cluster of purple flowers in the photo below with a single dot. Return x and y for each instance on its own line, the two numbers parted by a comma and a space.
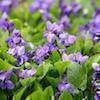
43, 6
93, 28
43, 52
66, 11
54, 31
72, 8
5, 77
96, 80
5, 82
17, 47
78, 57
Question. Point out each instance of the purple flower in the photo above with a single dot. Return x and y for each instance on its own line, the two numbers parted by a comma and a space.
54, 28
65, 21
26, 73
97, 97
66, 87
43, 52
75, 7
50, 37
43, 6
78, 57
72, 8
93, 27
22, 59
66, 39
16, 46
96, 66
96, 80
5, 82
5, 25
7, 5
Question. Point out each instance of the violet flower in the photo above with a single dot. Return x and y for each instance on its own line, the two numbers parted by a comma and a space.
25, 73
7, 5
5, 82
66, 11
66, 39
64, 86
53, 28
17, 47
72, 8
93, 27
78, 57
96, 80
5, 25
43, 6
43, 52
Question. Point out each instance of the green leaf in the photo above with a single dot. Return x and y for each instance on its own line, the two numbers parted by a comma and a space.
48, 93
95, 58
18, 24
96, 48
76, 75
88, 45
43, 69
53, 81
19, 94
65, 96
2, 95
5, 55
55, 56
3, 37
76, 47
5, 65
97, 2
27, 81
61, 66
37, 95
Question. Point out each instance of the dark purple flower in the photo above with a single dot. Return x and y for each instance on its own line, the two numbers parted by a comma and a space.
96, 80
22, 59
5, 82
97, 97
